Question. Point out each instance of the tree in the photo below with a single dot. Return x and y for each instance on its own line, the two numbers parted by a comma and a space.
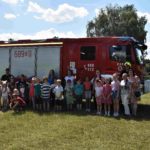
118, 21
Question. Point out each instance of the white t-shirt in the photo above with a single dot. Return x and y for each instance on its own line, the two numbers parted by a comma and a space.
58, 91
115, 85
98, 91
5, 92
70, 78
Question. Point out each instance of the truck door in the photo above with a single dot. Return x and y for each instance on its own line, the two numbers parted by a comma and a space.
87, 61
48, 58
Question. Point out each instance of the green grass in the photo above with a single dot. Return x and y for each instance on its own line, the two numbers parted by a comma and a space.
64, 131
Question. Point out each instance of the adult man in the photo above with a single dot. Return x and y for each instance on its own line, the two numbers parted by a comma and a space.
7, 76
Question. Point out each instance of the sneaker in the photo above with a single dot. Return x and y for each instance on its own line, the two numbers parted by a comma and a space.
88, 110
100, 113
97, 113
115, 114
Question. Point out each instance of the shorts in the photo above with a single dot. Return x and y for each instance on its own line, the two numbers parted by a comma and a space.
87, 94
78, 99
114, 95
58, 102
45, 100
38, 100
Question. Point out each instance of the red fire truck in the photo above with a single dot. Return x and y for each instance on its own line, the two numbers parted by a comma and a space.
82, 55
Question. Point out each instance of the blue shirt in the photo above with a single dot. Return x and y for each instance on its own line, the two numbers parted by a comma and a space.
78, 89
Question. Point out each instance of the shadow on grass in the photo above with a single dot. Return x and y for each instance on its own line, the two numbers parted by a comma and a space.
14, 113
143, 113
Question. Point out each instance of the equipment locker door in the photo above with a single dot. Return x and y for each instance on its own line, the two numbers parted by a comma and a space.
23, 61
4, 60
48, 58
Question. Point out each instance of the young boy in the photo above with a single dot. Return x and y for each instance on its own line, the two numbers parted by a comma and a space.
58, 91
78, 91
45, 94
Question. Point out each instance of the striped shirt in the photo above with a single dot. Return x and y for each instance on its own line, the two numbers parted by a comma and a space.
45, 91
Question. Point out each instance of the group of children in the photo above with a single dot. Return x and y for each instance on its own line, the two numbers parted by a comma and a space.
45, 96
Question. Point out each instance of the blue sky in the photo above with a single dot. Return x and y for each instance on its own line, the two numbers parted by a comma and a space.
38, 19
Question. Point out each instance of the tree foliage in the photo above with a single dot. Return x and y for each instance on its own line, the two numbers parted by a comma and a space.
118, 21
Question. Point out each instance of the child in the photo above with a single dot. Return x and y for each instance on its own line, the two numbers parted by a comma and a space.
45, 94
0, 92
58, 91
107, 97
31, 92
115, 84
12, 85
87, 93
22, 86
78, 91
17, 103
5, 92
52, 95
99, 95
69, 94
37, 94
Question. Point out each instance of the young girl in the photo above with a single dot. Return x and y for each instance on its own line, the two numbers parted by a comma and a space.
32, 92
107, 97
99, 95
58, 91
69, 94
37, 94
17, 103
5, 92
115, 84
0, 92
78, 91
87, 93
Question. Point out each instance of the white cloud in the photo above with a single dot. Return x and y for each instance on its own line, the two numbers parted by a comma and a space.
146, 14
12, 2
44, 34
10, 16
97, 11
64, 12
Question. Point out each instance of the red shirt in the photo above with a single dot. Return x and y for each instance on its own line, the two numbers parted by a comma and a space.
87, 85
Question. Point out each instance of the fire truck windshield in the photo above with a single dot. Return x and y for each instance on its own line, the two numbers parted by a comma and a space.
121, 53
139, 56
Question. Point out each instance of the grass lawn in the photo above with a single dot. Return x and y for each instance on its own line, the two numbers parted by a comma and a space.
64, 131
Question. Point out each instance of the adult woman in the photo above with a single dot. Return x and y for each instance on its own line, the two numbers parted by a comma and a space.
51, 76
133, 88
124, 84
